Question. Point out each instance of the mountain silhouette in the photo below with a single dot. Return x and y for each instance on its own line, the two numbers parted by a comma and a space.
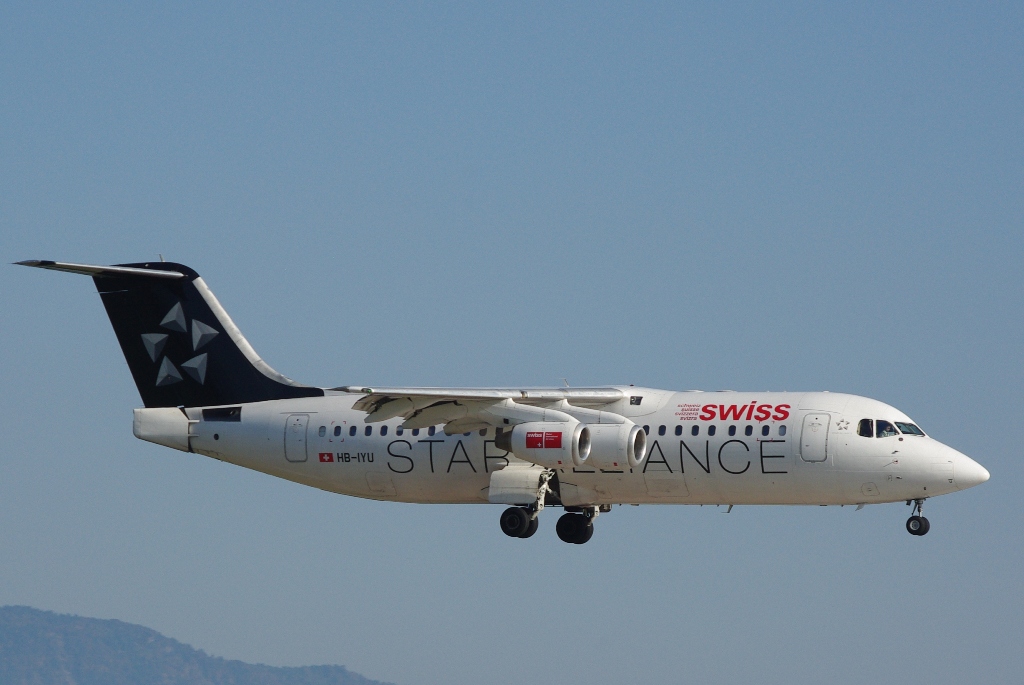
44, 648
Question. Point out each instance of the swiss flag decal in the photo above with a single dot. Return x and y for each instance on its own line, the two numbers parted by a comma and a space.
534, 440
326, 456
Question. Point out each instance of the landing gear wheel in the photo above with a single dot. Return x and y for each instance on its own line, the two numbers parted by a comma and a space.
585, 534
574, 528
567, 526
917, 525
515, 521
531, 528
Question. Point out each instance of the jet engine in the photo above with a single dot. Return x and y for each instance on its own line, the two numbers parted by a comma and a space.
551, 444
616, 446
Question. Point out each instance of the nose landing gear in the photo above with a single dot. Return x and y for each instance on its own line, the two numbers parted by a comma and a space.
917, 524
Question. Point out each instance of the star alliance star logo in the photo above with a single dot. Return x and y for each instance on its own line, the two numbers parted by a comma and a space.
194, 368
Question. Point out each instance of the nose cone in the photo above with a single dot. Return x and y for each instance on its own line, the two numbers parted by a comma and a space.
967, 473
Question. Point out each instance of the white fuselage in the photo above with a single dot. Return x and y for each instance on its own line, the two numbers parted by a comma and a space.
205, 390
703, 448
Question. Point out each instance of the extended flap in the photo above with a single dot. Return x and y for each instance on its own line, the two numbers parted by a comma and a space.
515, 484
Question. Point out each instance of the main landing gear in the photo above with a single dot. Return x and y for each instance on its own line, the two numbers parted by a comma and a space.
576, 526
522, 522
519, 522
917, 524
576, 529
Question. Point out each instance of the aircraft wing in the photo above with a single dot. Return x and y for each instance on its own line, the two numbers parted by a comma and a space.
464, 409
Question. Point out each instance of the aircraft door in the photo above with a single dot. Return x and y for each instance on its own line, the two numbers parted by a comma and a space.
814, 438
295, 437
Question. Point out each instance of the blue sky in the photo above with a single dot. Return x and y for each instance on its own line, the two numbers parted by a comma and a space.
795, 197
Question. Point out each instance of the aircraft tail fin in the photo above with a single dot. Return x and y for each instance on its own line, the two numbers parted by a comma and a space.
181, 346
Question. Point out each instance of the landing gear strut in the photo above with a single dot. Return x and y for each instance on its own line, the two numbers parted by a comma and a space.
917, 524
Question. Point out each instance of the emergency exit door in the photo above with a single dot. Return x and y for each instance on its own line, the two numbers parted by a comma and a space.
295, 437
814, 438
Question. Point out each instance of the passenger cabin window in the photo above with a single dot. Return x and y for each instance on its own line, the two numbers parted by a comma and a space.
765, 430
322, 432
368, 431
415, 431
430, 431
711, 430
732, 430
399, 430
661, 430
909, 429
352, 430
884, 429
749, 430
695, 430
337, 431
483, 432
865, 428
782, 430
647, 430
679, 430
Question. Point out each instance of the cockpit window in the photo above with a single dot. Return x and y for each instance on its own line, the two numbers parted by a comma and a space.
909, 429
884, 429
865, 428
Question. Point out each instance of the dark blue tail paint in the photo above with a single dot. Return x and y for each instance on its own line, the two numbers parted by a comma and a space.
180, 344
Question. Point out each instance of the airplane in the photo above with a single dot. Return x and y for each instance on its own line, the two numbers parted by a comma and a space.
206, 391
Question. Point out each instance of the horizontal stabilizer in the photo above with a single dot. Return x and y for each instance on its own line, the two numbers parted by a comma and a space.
90, 270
